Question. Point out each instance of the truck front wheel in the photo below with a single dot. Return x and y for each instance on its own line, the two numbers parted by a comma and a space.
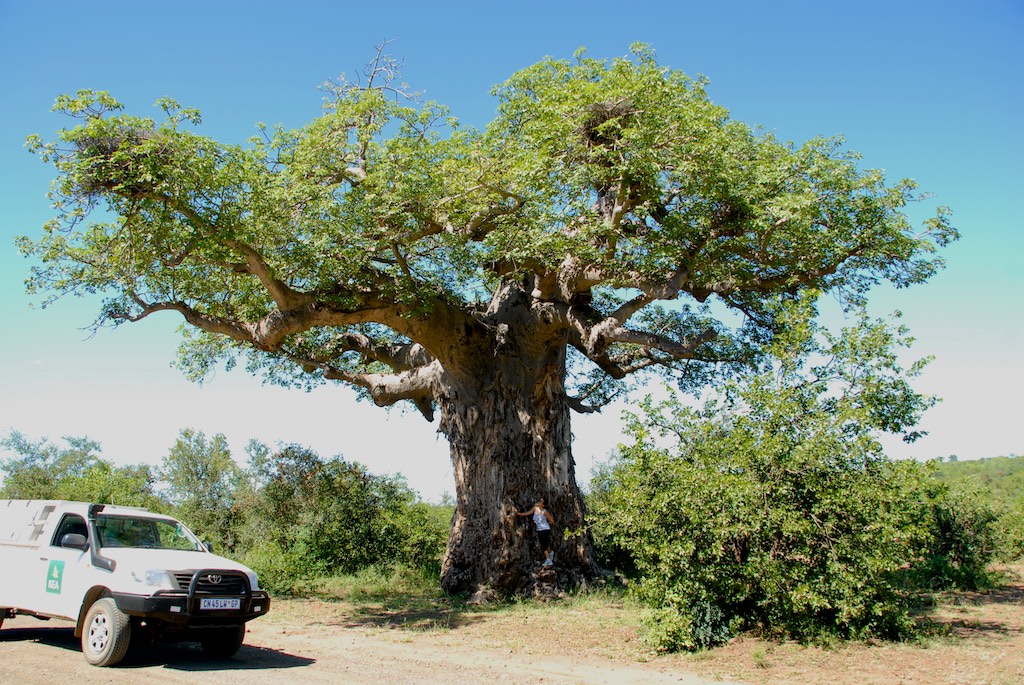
224, 642
106, 633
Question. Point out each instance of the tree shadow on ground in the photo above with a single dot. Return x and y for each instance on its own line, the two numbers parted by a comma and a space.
1010, 593
411, 615
418, 610
981, 614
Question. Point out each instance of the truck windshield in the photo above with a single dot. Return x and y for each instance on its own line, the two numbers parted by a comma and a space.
133, 531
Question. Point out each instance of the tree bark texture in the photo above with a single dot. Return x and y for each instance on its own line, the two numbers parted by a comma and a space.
507, 419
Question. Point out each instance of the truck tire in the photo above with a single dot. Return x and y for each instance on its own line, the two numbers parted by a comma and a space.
224, 642
106, 634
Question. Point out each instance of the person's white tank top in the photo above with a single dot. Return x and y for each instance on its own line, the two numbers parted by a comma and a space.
540, 520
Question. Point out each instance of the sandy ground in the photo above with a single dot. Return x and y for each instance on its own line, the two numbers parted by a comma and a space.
47, 652
979, 641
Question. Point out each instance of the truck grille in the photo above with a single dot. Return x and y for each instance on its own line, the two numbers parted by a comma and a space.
213, 582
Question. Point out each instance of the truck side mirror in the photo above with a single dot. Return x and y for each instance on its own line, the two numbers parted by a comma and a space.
208, 546
75, 540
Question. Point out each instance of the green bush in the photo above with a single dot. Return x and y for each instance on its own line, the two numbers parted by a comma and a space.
281, 571
422, 531
44, 470
202, 483
962, 541
998, 482
307, 518
774, 507
292, 516
1009, 532
804, 553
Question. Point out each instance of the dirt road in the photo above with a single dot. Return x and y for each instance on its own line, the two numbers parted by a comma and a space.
977, 639
293, 652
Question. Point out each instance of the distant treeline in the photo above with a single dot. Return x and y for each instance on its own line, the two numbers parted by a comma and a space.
999, 482
290, 514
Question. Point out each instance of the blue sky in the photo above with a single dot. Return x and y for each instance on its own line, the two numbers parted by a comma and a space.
930, 90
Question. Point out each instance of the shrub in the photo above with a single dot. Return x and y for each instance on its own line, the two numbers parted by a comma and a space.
962, 540
1009, 532
774, 507
999, 483
309, 518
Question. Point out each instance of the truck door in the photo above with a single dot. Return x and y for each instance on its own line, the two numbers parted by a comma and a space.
63, 571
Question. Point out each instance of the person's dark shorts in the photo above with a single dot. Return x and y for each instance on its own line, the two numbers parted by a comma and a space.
545, 538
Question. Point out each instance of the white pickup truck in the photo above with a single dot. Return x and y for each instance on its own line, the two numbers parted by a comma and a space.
122, 574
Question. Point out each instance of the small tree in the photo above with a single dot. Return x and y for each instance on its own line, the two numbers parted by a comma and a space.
307, 517
774, 507
963, 530
43, 470
202, 483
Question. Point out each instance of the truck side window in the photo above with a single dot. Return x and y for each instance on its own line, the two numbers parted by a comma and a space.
71, 523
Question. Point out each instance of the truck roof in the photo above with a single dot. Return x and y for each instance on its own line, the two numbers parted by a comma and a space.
22, 521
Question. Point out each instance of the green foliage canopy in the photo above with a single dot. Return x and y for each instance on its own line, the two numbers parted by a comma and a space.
44, 470
608, 185
202, 481
307, 518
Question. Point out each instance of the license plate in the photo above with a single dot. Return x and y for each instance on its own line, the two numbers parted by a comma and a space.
219, 603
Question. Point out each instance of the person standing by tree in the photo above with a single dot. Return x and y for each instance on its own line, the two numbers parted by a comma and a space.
543, 521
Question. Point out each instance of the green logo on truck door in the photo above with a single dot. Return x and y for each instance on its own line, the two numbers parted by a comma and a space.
54, 576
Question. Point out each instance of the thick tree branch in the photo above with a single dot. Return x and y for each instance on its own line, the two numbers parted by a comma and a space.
594, 340
580, 407
210, 324
415, 385
399, 357
286, 298
270, 331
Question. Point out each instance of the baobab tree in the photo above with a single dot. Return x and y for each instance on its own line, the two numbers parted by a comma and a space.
610, 223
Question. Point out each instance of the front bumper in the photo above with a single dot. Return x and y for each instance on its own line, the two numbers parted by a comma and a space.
183, 608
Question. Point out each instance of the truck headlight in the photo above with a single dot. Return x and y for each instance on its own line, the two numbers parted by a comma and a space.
154, 578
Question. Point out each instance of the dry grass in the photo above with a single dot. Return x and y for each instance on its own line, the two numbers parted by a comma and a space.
977, 638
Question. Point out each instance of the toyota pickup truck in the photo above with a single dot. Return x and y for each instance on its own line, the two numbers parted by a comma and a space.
123, 575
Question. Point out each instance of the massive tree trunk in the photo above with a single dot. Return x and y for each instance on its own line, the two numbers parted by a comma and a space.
506, 416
